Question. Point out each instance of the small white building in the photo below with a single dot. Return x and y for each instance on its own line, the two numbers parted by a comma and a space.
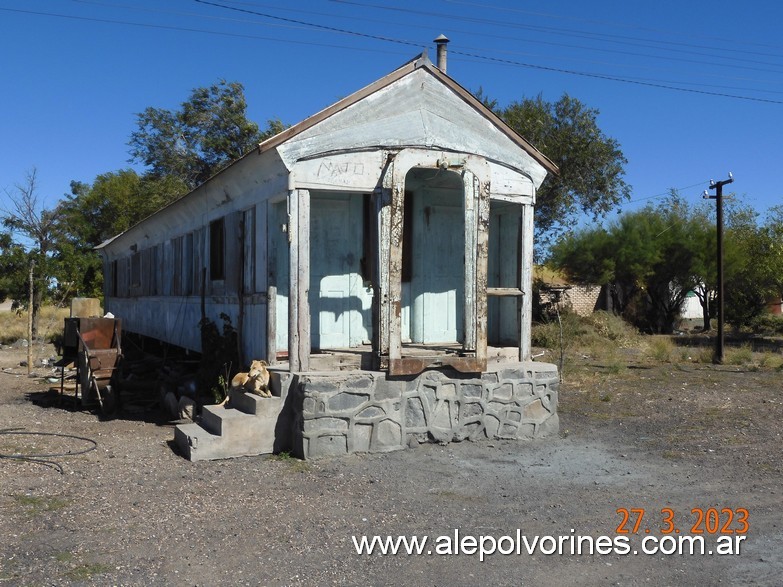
396, 222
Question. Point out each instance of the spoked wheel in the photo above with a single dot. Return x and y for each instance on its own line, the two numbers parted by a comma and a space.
109, 399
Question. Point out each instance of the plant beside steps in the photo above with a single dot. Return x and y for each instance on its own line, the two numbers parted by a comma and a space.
245, 428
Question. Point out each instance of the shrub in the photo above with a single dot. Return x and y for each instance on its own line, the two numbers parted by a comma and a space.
661, 349
770, 360
767, 324
739, 356
614, 328
590, 333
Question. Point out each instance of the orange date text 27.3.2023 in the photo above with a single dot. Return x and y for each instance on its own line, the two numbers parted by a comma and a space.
700, 521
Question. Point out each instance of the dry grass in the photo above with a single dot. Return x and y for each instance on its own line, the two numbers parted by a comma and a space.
739, 356
13, 325
661, 349
602, 346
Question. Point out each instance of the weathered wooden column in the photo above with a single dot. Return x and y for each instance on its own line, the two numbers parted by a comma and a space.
476, 207
381, 307
526, 281
299, 280
394, 302
271, 324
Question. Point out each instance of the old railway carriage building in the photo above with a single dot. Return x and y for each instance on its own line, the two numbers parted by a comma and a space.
394, 227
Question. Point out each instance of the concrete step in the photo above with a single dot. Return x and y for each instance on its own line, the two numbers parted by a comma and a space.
220, 420
246, 429
192, 438
251, 403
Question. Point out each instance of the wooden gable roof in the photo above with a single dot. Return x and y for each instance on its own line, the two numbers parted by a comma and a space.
421, 63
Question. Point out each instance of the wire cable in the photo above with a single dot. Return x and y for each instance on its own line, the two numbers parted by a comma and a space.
45, 458
485, 58
616, 79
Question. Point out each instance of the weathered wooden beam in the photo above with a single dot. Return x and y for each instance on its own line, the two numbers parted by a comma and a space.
303, 277
482, 267
293, 284
271, 325
505, 291
477, 192
526, 282
471, 193
396, 213
383, 196
299, 280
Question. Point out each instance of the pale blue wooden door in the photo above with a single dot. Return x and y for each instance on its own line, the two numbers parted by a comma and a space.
335, 282
438, 280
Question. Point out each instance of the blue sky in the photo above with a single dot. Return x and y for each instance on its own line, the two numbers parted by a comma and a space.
702, 93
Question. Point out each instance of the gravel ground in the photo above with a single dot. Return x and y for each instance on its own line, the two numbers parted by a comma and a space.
133, 512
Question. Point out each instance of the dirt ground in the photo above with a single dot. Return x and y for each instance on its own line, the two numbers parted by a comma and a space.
131, 511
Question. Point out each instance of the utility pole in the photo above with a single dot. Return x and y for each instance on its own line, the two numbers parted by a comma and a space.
718, 197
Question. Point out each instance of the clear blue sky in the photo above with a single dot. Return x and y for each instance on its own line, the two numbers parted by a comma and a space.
74, 74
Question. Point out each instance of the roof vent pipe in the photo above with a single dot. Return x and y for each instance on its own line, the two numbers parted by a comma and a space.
441, 43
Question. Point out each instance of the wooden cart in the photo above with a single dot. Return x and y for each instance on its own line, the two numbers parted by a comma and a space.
93, 345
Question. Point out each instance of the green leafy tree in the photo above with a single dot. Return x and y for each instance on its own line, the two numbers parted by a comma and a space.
648, 256
14, 266
702, 235
94, 213
652, 259
209, 131
113, 203
754, 272
591, 164
182, 148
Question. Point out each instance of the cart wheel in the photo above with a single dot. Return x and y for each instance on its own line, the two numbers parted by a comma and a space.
111, 401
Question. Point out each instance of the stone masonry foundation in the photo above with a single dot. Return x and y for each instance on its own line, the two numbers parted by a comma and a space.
364, 411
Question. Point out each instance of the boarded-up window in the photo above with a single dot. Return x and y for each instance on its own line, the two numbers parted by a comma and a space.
150, 271
176, 265
249, 253
135, 271
113, 280
187, 265
123, 277
199, 260
217, 249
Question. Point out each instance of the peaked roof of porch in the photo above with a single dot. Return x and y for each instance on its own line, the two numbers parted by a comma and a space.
420, 62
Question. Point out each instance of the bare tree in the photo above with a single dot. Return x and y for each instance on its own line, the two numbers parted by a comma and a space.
36, 227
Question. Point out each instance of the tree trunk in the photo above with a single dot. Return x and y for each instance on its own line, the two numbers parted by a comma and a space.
705, 313
37, 298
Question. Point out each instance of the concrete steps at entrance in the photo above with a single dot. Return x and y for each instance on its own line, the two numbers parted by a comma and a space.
245, 428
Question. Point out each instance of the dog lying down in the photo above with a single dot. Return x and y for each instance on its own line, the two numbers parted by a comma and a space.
254, 381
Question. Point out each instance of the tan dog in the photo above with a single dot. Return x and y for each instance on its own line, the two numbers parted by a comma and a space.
255, 381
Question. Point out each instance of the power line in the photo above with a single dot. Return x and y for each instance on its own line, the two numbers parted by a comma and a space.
648, 83
593, 62
622, 25
664, 194
310, 24
639, 81
184, 29
618, 39
651, 84
302, 24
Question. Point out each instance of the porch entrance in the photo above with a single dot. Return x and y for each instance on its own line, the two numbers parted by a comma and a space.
433, 257
340, 304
